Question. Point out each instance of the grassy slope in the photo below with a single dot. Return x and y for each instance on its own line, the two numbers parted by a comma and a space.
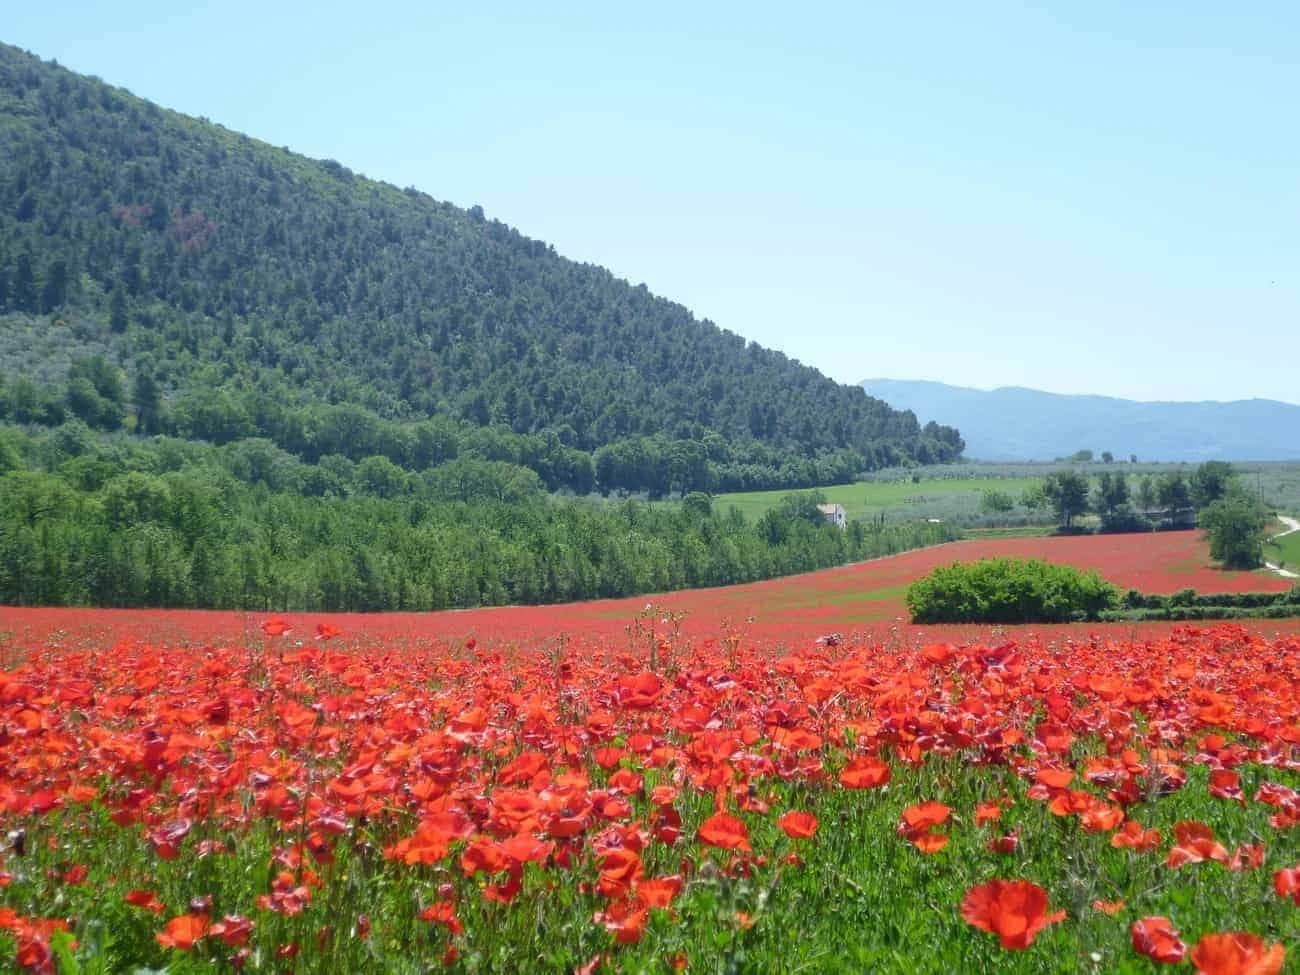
954, 492
1284, 551
898, 500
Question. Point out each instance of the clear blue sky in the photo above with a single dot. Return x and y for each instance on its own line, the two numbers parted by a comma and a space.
1100, 198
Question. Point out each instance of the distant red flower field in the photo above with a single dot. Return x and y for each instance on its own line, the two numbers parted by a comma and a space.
868, 597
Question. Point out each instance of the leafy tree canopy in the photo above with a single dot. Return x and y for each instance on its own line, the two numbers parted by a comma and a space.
1235, 526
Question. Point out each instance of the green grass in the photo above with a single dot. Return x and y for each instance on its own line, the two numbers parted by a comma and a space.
863, 899
953, 492
1284, 551
852, 605
1016, 531
949, 498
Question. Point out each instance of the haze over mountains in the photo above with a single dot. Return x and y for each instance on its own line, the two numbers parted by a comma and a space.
1015, 423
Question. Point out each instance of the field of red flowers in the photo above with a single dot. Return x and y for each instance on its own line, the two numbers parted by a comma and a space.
866, 599
628, 789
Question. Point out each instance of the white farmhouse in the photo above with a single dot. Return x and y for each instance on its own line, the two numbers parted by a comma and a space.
834, 513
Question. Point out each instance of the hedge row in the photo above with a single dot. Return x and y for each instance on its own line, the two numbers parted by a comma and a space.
1276, 611
1186, 598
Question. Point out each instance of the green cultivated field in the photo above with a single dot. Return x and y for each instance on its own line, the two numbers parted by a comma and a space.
952, 493
950, 499
1285, 551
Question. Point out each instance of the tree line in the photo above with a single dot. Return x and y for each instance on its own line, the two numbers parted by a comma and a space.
98, 394
1120, 502
1211, 496
114, 520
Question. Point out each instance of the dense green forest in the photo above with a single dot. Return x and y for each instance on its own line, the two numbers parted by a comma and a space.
119, 520
163, 275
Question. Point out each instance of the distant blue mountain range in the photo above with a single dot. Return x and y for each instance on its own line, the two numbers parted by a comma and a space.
1014, 423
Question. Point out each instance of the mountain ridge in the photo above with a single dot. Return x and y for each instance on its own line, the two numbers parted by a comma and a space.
1021, 423
921, 383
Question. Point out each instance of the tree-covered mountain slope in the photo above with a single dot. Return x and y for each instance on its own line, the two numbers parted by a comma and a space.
164, 274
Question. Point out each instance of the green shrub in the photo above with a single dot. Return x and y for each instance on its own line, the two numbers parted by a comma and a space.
1009, 591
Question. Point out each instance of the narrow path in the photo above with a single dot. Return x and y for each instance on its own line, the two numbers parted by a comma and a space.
1292, 525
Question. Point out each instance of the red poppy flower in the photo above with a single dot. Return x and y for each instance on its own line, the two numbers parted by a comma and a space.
444, 913
1014, 910
1248, 856
1134, 837
1225, 783
1100, 817
724, 831
1156, 938
987, 812
925, 815
1287, 883
275, 627
1054, 778
658, 891
1109, 908
145, 899
183, 931
625, 919
1005, 845
938, 653
483, 856
34, 954
233, 930
620, 868
1194, 843
798, 825
864, 772
928, 842
918, 825
167, 839
638, 692
525, 849
1237, 953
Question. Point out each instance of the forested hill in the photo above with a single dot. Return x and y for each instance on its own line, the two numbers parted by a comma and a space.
160, 273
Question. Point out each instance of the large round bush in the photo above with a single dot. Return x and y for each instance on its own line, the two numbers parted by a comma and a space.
1009, 591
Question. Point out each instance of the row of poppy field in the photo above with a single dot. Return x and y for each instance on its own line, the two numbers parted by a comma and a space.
867, 599
712, 782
